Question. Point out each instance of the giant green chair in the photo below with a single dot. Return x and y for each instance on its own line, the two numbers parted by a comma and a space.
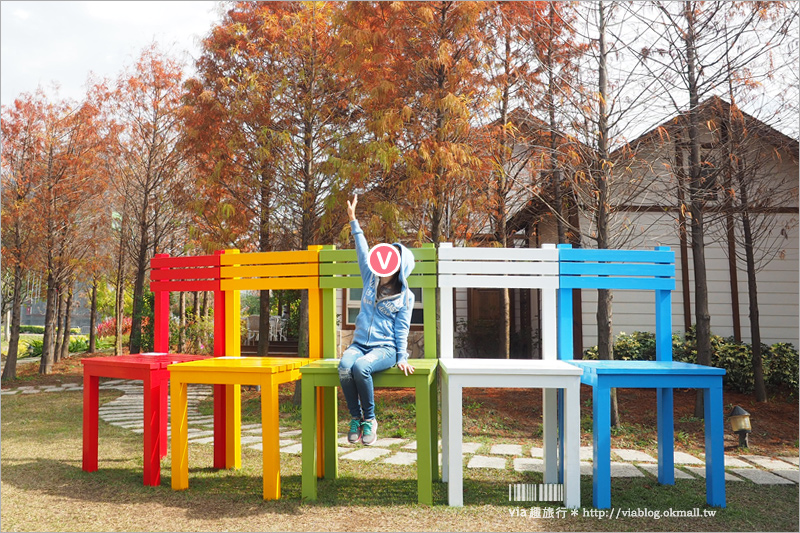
339, 270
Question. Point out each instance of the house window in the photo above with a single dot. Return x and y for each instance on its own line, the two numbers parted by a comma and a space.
353, 305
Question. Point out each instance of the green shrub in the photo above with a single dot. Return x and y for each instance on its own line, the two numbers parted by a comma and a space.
78, 344
35, 347
781, 368
737, 360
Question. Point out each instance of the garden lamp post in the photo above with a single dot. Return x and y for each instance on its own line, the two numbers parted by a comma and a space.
740, 424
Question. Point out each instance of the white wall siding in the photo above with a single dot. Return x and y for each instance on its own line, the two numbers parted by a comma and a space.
778, 290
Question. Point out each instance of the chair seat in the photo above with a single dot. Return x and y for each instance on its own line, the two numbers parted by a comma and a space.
648, 374
503, 367
385, 378
647, 367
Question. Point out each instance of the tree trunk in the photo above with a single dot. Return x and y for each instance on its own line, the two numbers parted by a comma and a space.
264, 245
119, 290
60, 310
182, 323
138, 294
551, 105
46, 364
67, 324
10, 370
118, 313
697, 207
605, 341
752, 291
93, 319
263, 323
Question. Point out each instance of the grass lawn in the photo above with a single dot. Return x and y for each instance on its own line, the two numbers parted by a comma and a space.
44, 489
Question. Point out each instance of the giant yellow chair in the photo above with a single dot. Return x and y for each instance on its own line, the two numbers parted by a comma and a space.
256, 271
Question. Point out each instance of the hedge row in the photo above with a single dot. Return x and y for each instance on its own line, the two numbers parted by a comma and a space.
40, 329
779, 361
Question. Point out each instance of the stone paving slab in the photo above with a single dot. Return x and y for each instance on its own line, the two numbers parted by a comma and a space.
768, 462
260, 447
204, 440
506, 449
525, 464
292, 448
413, 446
587, 453
401, 458
700, 471
366, 454
679, 474
388, 441
683, 458
122, 417
735, 462
794, 460
251, 440
193, 434
482, 461
252, 427
586, 469
537, 452
624, 470
792, 475
634, 456
760, 477
292, 433
203, 420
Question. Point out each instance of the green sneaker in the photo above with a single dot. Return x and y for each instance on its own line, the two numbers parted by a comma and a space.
354, 435
369, 432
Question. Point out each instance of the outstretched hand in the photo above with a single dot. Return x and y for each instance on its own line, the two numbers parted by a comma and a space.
351, 207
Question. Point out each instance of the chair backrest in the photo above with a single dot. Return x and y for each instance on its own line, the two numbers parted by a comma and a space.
297, 270
338, 269
197, 273
581, 268
513, 268
253, 322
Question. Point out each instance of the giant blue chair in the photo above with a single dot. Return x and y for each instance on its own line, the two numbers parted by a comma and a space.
651, 271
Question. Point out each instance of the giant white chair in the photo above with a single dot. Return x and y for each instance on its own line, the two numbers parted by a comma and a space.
513, 268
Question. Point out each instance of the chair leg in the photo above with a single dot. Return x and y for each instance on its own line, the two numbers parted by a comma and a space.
571, 444
666, 437
309, 439
715, 449
424, 444
550, 435
601, 434
445, 427
455, 485
434, 418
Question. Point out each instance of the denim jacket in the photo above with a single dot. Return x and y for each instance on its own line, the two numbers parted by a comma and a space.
386, 321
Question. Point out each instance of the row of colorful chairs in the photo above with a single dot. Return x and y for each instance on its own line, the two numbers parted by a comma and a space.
554, 271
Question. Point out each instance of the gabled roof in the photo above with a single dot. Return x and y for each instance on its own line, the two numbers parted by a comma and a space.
710, 108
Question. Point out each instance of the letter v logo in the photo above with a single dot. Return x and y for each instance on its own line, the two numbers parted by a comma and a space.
385, 263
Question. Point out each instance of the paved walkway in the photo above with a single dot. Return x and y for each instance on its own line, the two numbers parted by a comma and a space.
126, 412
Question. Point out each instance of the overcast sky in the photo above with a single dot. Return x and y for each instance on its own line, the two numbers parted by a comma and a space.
45, 42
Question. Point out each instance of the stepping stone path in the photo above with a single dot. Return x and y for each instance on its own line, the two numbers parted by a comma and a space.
126, 412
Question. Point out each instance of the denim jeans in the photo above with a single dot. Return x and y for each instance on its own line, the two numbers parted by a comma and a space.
356, 367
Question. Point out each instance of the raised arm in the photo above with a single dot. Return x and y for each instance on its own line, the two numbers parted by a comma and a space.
362, 249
